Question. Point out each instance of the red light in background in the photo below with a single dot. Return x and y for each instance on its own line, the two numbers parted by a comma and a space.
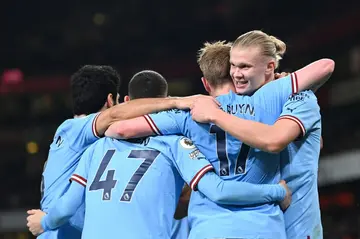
345, 199
341, 199
12, 77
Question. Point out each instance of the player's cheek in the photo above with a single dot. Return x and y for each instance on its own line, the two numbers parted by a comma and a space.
232, 72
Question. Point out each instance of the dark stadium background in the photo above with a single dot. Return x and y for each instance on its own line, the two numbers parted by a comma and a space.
43, 42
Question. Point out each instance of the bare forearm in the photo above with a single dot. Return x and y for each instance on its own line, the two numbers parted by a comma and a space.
252, 133
269, 138
314, 75
132, 109
139, 107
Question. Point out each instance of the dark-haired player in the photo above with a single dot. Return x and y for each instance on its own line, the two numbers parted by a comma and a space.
94, 92
120, 178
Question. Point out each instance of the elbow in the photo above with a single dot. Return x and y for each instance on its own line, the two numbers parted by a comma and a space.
216, 194
122, 134
274, 146
125, 134
119, 130
215, 197
213, 193
328, 66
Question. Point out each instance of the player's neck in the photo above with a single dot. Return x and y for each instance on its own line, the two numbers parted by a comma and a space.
270, 78
222, 90
79, 116
84, 115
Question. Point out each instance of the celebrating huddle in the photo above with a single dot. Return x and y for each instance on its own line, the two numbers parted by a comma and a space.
249, 152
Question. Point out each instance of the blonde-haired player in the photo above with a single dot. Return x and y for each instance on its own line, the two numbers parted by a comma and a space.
229, 156
254, 57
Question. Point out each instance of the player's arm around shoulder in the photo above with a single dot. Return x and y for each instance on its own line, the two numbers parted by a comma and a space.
131, 128
271, 138
314, 75
162, 123
138, 107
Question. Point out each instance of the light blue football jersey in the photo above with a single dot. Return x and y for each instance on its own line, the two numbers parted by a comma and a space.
299, 167
233, 160
190, 164
132, 188
70, 141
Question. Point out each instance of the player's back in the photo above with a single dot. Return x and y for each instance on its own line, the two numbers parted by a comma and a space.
233, 160
71, 139
300, 168
132, 190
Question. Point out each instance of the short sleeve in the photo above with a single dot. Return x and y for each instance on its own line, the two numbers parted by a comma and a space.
189, 161
166, 122
81, 172
304, 110
83, 131
274, 94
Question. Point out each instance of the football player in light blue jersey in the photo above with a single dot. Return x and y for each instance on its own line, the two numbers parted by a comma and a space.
264, 193
117, 180
299, 127
299, 167
238, 163
157, 86
299, 161
94, 89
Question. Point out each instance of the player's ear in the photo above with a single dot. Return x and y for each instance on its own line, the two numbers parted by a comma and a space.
206, 84
270, 67
126, 98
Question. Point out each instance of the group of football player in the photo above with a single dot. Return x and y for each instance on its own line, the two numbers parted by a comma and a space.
239, 163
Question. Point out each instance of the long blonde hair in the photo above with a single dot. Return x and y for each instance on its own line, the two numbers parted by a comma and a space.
269, 45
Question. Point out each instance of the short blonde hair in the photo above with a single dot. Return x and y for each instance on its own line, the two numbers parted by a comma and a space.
269, 45
214, 62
